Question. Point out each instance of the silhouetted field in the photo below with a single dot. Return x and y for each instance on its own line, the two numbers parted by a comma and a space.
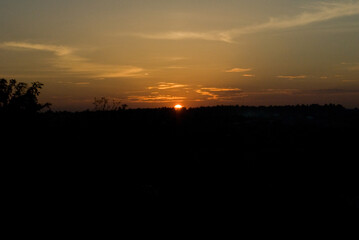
240, 160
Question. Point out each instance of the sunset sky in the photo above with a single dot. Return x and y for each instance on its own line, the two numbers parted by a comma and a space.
154, 53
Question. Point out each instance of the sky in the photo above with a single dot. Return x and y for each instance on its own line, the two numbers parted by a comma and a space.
159, 53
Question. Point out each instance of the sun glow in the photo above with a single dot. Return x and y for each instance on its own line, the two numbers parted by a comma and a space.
178, 107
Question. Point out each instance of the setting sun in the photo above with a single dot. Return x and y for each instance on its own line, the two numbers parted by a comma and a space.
178, 106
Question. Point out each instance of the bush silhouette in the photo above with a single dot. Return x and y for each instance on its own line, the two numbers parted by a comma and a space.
19, 97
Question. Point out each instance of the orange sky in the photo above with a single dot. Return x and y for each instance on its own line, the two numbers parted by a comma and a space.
195, 53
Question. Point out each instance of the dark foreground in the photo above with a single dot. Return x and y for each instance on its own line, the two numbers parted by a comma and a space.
216, 161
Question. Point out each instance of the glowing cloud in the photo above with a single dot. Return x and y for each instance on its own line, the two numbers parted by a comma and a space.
182, 35
165, 85
323, 11
67, 60
57, 50
238, 70
248, 75
354, 67
155, 98
293, 77
219, 93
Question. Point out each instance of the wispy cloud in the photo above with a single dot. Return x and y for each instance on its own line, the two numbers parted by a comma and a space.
171, 58
314, 13
66, 59
155, 97
219, 93
238, 70
292, 77
277, 91
351, 66
248, 75
354, 68
323, 11
298, 92
176, 67
161, 92
330, 91
222, 89
165, 85
75, 83
183, 35
56, 49
172, 92
350, 81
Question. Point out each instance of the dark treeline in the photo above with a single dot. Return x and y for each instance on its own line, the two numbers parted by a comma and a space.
286, 160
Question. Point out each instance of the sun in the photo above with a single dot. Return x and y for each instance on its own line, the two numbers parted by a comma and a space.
178, 107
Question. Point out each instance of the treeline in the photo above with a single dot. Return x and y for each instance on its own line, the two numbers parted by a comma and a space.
282, 160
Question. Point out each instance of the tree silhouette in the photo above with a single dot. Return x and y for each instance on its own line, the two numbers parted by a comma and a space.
103, 104
124, 106
19, 97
